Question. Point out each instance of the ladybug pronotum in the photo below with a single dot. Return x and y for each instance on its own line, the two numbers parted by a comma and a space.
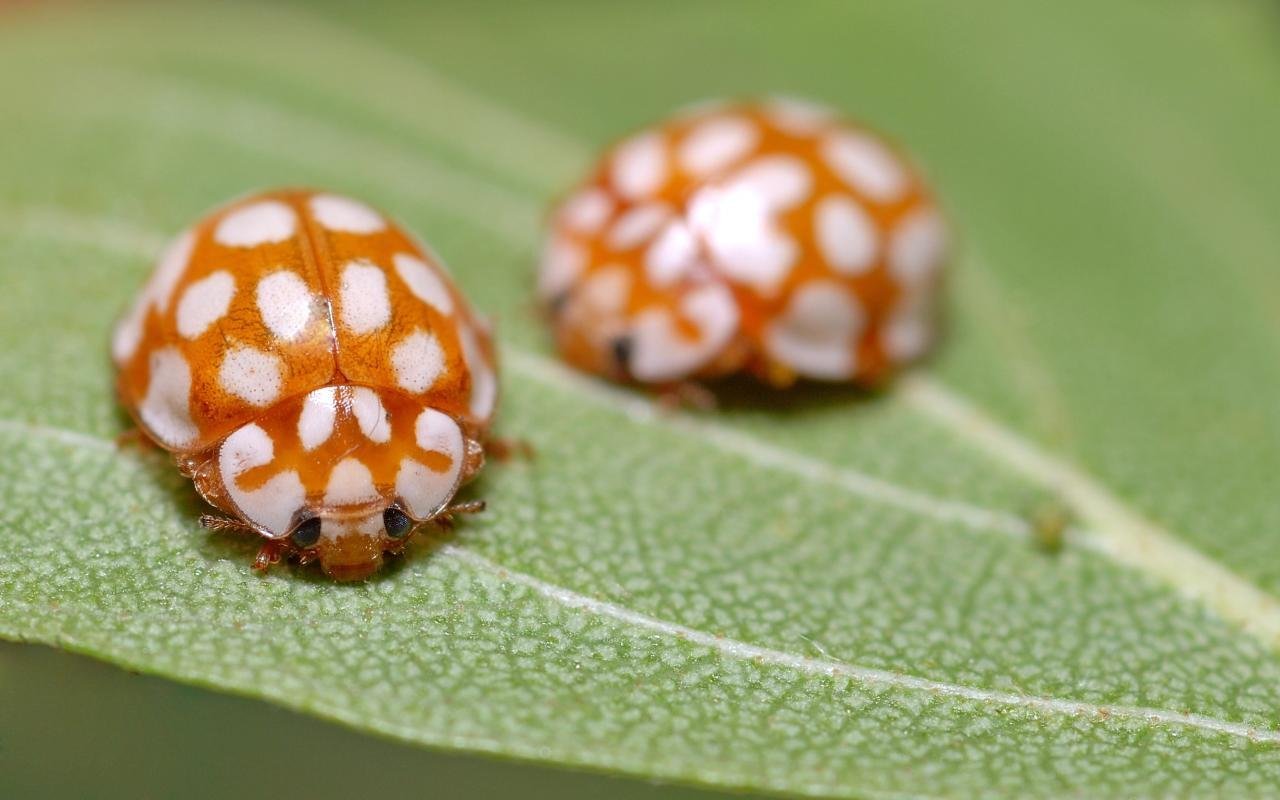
315, 372
770, 238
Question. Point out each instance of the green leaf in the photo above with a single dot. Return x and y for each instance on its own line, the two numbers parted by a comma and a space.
820, 594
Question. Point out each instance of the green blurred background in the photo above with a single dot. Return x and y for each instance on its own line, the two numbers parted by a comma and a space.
1039, 122
71, 727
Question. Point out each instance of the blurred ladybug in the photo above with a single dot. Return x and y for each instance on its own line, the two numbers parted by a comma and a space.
771, 238
315, 372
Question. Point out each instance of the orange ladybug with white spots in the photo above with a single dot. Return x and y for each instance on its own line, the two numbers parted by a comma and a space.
315, 372
771, 237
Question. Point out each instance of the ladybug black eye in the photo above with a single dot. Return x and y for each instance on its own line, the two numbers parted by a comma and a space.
306, 534
621, 348
396, 522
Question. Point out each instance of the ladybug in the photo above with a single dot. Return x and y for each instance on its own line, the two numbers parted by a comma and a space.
315, 372
771, 238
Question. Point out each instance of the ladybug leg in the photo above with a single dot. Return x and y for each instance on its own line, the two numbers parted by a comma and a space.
268, 555
134, 438
686, 395
503, 449
271, 549
542, 310
776, 374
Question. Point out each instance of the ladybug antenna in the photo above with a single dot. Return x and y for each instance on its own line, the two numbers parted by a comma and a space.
220, 524
445, 518
469, 507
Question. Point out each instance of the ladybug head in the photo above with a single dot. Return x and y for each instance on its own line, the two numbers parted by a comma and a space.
349, 546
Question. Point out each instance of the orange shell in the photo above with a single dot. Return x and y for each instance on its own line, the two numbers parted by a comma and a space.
769, 237
261, 301
304, 358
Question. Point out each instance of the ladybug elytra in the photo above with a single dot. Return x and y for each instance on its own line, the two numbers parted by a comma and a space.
315, 372
770, 238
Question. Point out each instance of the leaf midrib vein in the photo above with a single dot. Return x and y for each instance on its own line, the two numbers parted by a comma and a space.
643, 411
1121, 532
1125, 535
113, 235
739, 650
1118, 531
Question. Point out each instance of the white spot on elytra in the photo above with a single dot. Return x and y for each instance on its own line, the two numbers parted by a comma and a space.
562, 263
484, 383
315, 423
170, 268
437, 432
599, 304
425, 491
606, 290
205, 302
271, 506
744, 240
284, 302
370, 415
702, 108
587, 211
424, 282
715, 144
739, 220
815, 334
251, 375
798, 117
639, 166
418, 361
344, 214
908, 332
362, 296
780, 181
246, 448
917, 246
350, 482
165, 409
661, 352
264, 222
846, 235
128, 332
158, 290
672, 255
866, 165
638, 225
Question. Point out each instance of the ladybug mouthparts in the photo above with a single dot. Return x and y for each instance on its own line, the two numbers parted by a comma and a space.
351, 549
349, 542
